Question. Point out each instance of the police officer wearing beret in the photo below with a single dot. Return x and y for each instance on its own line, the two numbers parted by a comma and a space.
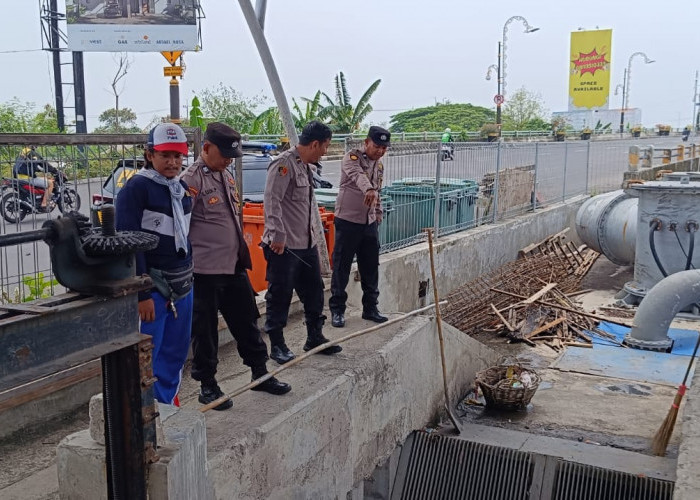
290, 242
358, 212
221, 258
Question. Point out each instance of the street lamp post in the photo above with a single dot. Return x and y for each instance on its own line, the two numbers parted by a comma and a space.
626, 86
501, 66
621, 86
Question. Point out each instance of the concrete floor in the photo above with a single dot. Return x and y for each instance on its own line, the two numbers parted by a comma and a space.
598, 410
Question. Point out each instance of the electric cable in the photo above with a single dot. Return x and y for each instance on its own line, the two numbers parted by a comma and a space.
652, 245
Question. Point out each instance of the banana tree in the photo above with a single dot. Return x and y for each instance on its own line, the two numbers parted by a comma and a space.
341, 115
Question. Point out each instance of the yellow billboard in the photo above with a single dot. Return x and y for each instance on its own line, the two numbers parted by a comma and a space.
589, 69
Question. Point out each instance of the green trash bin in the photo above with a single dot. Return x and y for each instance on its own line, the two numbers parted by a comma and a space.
468, 191
326, 198
414, 208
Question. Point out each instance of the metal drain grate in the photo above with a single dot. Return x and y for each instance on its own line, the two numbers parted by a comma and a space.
582, 482
440, 467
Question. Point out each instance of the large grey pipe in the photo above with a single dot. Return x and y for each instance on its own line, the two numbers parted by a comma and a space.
607, 223
659, 307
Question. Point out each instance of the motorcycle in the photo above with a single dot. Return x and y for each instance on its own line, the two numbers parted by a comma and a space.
18, 197
686, 134
448, 151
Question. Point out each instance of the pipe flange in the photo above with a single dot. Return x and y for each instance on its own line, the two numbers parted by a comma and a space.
97, 244
649, 345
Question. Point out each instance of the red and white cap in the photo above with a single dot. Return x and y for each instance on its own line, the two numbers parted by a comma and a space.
167, 137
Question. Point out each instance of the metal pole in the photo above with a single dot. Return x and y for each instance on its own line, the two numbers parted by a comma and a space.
57, 75
495, 182
695, 103
260, 9
534, 180
271, 70
566, 158
498, 104
174, 100
588, 164
622, 111
79, 84
436, 211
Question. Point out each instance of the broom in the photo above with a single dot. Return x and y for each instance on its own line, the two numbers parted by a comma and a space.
663, 435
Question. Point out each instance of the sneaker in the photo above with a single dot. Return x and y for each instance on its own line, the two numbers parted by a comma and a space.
209, 393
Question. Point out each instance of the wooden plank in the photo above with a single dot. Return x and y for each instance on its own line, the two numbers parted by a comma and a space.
545, 327
538, 295
504, 320
578, 344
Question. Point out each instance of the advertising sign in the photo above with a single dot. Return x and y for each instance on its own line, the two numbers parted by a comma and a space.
132, 25
589, 69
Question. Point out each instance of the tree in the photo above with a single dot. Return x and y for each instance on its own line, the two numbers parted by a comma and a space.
21, 117
342, 117
122, 121
525, 111
268, 123
310, 113
123, 63
464, 117
225, 104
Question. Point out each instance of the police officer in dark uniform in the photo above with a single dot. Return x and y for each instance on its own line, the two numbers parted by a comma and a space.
290, 242
358, 212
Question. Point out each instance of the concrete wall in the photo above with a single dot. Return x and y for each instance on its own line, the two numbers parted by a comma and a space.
687, 479
461, 257
336, 436
649, 174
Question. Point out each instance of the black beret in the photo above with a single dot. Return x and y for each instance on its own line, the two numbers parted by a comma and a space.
380, 136
226, 139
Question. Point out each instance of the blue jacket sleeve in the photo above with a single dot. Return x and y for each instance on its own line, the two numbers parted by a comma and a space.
130, 206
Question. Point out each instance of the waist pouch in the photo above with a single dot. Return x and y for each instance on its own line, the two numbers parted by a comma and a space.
174, 284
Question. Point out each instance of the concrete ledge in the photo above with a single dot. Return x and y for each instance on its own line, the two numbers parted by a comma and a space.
347, 414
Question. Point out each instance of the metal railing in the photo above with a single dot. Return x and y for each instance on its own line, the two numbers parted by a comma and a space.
478, 183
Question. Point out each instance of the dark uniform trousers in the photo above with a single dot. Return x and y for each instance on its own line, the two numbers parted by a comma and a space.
298, 271
233, 295
355, 239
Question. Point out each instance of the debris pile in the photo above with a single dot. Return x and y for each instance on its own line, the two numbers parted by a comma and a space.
530, 299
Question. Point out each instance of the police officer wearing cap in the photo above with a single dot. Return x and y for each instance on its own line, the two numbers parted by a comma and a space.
358, 212
221, 258
290, 243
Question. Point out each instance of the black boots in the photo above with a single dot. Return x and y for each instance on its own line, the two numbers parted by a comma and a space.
338, 320
315, 338
210, 391
271, 385
281, 353
373, 315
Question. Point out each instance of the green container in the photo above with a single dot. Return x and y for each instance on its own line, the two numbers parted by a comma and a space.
414, 209
327, 197
461, 192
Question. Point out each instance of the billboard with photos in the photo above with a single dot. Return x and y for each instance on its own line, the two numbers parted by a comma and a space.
132, 25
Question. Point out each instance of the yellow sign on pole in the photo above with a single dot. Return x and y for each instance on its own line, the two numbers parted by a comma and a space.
589, 69
172, 57
172, 71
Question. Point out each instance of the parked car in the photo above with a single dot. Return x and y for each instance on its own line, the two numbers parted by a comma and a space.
256, 158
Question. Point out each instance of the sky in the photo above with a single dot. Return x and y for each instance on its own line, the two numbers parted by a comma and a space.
424, 52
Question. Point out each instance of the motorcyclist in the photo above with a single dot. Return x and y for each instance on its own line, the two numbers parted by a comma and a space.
447, 141
686, 132
31, 166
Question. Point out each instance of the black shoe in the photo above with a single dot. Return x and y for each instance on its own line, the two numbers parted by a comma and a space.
338, 320
273, 386
374, 316
317, 341
281, 353
209, 393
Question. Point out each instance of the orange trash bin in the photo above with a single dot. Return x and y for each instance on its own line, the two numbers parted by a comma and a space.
253, 228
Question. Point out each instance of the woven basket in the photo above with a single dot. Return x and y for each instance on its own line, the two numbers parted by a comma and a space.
498, 391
